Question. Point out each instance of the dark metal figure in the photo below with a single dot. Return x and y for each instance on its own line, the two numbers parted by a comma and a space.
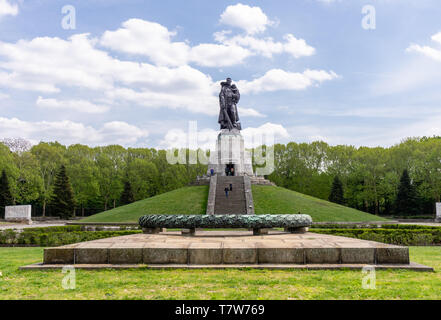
229, 96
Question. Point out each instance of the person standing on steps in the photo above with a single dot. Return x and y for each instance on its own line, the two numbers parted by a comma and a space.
232, 171
226, 192
231, 187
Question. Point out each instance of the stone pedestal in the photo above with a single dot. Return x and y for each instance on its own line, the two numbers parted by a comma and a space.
230, 150
438, 212
20, 214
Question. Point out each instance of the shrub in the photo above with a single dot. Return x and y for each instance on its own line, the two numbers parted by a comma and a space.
398, 236
43, 239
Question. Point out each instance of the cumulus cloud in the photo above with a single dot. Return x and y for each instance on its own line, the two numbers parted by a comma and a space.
277, 79
83, 106
250, 112
150, 39
68, 132
267, 46
428, 51
268, 134
251, 19
50, 64
153, 40
7, 8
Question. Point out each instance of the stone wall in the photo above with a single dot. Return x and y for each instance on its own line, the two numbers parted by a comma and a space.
18, 213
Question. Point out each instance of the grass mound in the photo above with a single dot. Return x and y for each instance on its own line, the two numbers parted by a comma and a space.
187, 200
267, 200
277, 200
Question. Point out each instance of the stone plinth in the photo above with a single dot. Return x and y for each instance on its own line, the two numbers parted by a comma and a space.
18, 214
438, 212
229, 247
230, 149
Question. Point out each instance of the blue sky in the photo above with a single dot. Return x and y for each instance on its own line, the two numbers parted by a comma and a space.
136, 72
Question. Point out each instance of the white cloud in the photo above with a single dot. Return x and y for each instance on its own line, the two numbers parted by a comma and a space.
49, 65
251, 19
204, 103
428, 51
437, 37
53, 65
7, 8
68, 132
277, 79
267, 46
249, 112
153, 40
75, 105
218, 55
268, 134
147, 38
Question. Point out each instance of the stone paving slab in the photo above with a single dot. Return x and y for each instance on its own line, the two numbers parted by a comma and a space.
411, 267
228, 247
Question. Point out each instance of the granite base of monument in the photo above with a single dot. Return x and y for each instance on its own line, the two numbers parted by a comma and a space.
229, 249
230, 153
21, 214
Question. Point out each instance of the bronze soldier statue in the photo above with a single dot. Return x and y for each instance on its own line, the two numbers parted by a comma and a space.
229, 96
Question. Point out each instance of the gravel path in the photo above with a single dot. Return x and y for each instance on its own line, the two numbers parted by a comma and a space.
53, 223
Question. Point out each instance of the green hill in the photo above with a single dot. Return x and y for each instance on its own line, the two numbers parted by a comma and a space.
188, 200
279, 200
267, 199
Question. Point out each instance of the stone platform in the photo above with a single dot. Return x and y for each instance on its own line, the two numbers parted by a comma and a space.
226, 249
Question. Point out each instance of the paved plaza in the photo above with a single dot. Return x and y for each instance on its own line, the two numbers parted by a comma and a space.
223, 249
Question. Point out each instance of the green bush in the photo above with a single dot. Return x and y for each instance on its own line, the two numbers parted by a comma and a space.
398, 236
53, 229
44, 239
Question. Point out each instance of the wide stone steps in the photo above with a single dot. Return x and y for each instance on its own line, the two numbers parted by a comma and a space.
235, 203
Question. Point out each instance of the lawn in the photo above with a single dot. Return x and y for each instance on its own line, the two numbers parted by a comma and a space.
216, 284
267, 200
281, 201
188, 200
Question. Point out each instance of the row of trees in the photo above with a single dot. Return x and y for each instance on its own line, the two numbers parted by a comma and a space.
105, 177
97, 175
369, 177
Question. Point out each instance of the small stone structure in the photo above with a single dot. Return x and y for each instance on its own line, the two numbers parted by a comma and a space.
20, 214
438, 212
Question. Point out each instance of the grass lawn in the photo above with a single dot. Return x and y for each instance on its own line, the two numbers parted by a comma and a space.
267, 199
280, 200
216, 284
188, 200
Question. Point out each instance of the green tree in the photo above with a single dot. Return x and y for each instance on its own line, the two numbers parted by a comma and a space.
49, 156
62, 202
5, 192
111, 163
336, 194
83, 173
127, 194
406, 202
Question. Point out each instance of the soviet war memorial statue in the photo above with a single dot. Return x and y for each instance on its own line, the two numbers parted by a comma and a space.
229, 96
230, 157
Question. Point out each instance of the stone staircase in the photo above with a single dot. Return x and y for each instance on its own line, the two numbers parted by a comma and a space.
236, 201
